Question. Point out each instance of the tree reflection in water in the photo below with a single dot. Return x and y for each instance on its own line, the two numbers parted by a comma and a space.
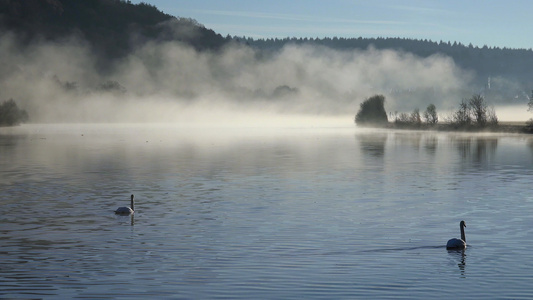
373, 144
478, 150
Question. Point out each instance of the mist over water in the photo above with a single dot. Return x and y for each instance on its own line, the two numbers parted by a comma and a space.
270, 213
250, 178
170, 82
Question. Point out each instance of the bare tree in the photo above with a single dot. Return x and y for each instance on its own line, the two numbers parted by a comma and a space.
478, 109
430, 115
462, 116
415, 117
492, 119
402, 118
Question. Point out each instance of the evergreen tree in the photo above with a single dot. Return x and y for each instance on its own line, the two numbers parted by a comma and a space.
372, 111
11, 115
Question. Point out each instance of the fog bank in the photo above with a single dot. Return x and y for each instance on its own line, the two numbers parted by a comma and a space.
170, 82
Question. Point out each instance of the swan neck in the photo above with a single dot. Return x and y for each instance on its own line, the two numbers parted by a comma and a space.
132, 203
463, 237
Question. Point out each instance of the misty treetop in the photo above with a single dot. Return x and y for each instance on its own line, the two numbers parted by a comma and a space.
474, 112
11, 115
414, 119
430, 115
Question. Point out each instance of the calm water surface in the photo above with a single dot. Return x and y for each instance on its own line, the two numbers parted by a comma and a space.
287, 213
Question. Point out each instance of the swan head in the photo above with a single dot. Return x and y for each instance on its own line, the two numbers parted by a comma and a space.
462, 224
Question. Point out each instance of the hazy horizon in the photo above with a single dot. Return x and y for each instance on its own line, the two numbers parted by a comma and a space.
171, 82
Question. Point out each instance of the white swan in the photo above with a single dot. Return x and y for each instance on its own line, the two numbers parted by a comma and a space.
458, 243
124, 210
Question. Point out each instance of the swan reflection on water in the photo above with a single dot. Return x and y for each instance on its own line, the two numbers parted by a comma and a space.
459, 256
122, 218
457, 248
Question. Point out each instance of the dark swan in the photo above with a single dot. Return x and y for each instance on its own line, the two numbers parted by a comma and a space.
124, 210
458, 243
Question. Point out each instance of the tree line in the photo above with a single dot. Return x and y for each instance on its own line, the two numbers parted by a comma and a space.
473, 113
514, 64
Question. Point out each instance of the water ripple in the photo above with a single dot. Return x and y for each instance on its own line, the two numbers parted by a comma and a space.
292, 215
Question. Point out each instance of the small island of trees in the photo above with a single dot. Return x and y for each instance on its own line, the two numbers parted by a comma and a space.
372, 112
473, 114
11, 115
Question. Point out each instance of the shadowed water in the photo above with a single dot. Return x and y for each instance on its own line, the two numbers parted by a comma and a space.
288, 213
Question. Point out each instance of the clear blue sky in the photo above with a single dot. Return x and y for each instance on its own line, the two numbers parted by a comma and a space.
502, 23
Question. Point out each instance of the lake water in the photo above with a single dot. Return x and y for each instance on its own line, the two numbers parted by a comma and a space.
248, 213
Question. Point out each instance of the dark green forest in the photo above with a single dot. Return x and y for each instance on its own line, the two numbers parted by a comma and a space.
486, 61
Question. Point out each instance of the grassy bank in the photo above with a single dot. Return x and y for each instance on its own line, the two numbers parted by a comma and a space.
505, 127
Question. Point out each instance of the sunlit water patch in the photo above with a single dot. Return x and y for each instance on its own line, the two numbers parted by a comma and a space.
301, 213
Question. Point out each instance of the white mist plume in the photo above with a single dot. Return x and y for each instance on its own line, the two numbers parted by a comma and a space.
170, 82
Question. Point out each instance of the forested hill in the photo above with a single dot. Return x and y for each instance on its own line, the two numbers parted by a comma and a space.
111, 27
513, 64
